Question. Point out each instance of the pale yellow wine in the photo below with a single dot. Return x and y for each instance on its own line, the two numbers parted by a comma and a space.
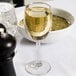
38, 21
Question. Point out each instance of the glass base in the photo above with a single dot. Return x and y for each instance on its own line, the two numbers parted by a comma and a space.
38, 68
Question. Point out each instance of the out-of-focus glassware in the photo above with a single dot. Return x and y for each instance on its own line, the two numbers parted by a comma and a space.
8, 16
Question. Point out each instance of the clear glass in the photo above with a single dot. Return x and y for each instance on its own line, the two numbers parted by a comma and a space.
38, 22
8, 1
8, 16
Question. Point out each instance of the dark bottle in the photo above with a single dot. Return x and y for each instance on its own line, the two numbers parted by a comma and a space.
18, 3
7, 46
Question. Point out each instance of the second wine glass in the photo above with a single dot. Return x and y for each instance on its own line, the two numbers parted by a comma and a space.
38, 22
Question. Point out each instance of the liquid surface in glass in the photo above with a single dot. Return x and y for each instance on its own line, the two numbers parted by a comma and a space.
38, 21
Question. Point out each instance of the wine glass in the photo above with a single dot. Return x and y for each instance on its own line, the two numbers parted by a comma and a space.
38, 21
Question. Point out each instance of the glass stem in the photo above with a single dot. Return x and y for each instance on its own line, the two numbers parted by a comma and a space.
37, 51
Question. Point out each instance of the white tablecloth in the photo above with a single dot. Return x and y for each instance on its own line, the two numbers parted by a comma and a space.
62, 52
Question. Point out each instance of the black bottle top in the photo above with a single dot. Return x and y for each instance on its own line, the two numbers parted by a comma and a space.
2, 27
7, 43
7, 46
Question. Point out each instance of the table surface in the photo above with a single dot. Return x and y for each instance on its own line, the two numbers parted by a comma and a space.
62, 52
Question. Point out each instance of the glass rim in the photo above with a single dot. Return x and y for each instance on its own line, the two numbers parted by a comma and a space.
38, 3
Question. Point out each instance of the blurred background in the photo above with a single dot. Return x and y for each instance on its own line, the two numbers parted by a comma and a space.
17, 3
